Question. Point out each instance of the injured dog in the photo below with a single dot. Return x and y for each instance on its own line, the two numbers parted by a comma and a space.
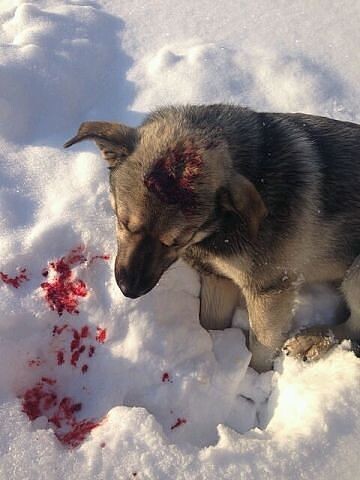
258, 203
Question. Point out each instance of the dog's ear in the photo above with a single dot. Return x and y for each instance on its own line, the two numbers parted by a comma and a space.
242, 198
115, 141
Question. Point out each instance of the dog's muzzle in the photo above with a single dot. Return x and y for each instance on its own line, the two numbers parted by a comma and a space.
130, 287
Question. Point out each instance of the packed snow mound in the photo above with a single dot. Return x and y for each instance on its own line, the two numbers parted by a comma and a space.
94, 385
58, 67
262, 78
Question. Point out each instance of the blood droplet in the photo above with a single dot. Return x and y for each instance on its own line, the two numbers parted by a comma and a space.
37, 400
62, 292
36, 362
78, 433
179, 421
60, 357
75, 343
14, 281
74, 358
49, 381
84, 332
58, 330
100, 257
100, 334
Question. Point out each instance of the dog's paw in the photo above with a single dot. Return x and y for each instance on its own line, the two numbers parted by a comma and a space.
309, 344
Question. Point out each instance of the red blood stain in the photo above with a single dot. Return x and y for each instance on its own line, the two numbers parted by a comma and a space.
75, 358
76, 256
42, 400
78, 433
172, 178
166, 377
58, 330
76, 354
179, 421
38, 400
62, 292
84, 332
100, 334
64, 414
75, 343
14, 281
36, 362
76, 334
60, 357
100, 257
49, 381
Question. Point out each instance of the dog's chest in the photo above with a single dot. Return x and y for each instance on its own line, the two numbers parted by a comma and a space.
234, 267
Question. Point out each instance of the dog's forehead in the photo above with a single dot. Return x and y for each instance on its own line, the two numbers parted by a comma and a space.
135, 203
161, 183
173, 175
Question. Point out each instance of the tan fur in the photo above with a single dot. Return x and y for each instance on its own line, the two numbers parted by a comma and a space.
218, 301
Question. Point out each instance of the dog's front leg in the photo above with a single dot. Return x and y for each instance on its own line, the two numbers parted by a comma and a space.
219, 297
270, 316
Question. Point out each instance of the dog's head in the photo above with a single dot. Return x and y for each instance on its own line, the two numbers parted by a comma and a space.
169, 184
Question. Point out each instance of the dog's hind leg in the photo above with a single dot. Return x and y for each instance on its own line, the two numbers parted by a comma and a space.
312, 343
219, 297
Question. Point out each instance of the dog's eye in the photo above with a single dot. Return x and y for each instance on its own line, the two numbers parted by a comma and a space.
166, 244
124, 226
176, 244
170, 244
130, 229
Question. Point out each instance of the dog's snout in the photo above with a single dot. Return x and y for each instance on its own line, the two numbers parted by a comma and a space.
122, 279
129, 285
139, 265
128, 292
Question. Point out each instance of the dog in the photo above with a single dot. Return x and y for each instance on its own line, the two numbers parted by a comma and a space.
259, 204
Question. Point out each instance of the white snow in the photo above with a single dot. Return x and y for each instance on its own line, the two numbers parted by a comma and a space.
65, 62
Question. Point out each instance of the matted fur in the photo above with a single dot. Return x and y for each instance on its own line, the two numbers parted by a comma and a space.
257, 202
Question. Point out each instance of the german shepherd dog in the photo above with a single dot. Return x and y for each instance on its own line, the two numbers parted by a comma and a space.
259, 203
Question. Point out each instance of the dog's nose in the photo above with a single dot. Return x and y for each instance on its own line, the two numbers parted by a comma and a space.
127, 291
123, 281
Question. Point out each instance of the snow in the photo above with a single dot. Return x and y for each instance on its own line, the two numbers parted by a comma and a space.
169, 399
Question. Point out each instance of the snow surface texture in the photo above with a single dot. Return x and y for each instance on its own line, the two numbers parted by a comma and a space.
125, 388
